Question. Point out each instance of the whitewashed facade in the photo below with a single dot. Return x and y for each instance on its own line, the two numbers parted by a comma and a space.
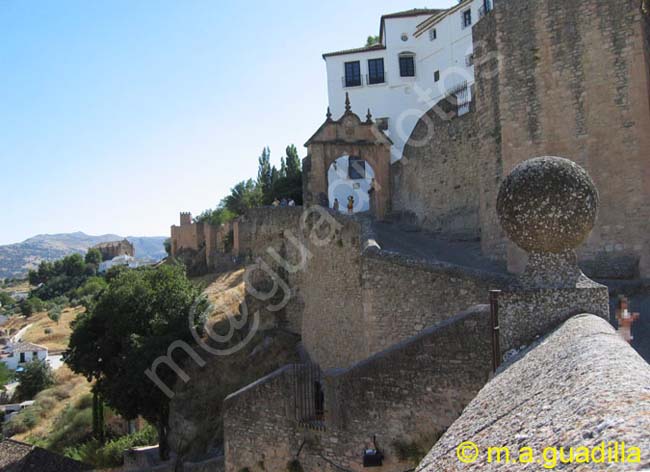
21, 353
440, 45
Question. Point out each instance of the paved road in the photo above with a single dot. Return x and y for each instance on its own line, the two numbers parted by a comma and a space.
423, 245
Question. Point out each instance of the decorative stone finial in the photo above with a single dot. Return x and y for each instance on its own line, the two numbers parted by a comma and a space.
329, 114
347, 102
369, 117
548, 205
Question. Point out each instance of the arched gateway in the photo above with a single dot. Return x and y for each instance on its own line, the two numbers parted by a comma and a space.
363, 149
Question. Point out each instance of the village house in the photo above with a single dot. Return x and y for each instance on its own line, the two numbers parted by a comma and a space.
16, 355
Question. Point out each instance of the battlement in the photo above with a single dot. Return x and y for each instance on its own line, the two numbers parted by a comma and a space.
186, 218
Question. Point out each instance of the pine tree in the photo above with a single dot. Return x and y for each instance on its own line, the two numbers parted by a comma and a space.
265, 174
292, 162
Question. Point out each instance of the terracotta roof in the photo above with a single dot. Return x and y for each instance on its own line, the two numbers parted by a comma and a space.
20, 457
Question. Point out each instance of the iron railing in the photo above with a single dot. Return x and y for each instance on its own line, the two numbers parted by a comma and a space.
309, 397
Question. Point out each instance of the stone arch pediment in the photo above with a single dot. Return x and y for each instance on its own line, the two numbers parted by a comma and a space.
350, 136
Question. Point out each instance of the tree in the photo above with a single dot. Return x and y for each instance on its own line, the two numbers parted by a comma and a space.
132, 323
244, 195
6, 300
93, 256
6, 375
372, 40
168, 246
293, 162
266, 174
31, 305
35, 376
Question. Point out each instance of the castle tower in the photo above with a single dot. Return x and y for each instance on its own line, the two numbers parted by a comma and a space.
186, 218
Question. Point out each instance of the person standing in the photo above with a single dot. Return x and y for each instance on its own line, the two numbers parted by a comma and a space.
350, 204
336, 205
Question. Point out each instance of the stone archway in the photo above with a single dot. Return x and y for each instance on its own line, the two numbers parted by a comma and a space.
348, 136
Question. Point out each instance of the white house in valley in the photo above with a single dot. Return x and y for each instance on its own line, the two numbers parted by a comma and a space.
16, 355
422, 56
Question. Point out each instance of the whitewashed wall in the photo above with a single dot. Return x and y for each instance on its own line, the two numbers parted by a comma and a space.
405, 99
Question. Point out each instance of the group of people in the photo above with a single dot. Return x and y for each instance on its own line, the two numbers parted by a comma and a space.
350, 204
284, 202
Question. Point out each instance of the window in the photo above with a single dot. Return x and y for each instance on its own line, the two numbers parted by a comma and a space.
407, 65
433, 34
467, 18
469, 60
352, 74
356, 168
436, 76
375, 71
22, 357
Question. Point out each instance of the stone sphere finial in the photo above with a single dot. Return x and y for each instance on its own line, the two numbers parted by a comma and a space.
548, 205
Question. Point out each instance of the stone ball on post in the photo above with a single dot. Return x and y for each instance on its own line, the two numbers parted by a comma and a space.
548, 205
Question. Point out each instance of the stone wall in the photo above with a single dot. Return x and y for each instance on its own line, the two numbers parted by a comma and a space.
437, 178
408, 394
264, 237
402, 296
553, 77
113, 249
351, 299
573, 82
582, 385
202, 246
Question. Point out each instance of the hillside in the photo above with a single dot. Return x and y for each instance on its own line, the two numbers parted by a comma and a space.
17, 259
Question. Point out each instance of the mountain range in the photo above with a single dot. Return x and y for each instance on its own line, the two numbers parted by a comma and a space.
17, 259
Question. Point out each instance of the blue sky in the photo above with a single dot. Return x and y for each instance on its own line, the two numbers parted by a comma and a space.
117, 115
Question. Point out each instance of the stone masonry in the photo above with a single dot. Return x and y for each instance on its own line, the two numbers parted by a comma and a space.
553, 77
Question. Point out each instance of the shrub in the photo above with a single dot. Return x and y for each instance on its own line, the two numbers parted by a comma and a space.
112, 453
36, 376
54, 314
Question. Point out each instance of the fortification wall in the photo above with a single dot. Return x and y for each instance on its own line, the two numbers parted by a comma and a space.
553, 77
271, 241
403, 296
433, 376
436, 181
350, 299
573, 82
189, 236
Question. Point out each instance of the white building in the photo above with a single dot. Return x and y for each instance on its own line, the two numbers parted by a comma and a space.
422, 55
16, 355
123, 260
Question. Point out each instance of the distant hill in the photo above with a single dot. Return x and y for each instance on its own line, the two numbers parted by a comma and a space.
17, 259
